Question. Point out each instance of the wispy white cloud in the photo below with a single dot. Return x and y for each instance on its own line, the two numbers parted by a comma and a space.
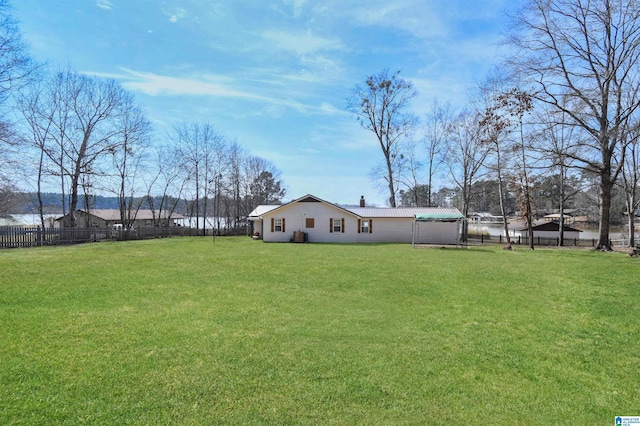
154, 84
297, 6
214, 86
329, 109
104, 4
301, 42
304, 57
175, 14
419, 18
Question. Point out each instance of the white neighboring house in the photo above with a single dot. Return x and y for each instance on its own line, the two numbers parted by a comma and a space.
485, 217
325, 222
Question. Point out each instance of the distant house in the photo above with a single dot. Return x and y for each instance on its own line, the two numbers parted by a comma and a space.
569, 216
546, 229
485, 218
322, 221
33, 220
107, 218
8, 221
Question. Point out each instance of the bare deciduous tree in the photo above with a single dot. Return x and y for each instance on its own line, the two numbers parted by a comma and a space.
91, 103
167, 183
380, 106
559, 145
197, 146
466, 155
127, 155
38, 125
409, 167
582, 58
495, 129
16, 66
17, 69
436, 125
70, 122
504, 127
631, 182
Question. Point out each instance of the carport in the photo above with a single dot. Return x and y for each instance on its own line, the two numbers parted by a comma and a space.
443, 228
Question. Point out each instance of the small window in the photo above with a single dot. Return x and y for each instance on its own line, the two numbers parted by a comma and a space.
310, 222
277, 225
337, 225
364, 226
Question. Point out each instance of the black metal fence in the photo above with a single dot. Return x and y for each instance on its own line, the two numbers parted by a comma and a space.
19, 237
537, 241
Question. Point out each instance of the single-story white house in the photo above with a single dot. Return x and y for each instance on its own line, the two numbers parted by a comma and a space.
547, 230
322, 221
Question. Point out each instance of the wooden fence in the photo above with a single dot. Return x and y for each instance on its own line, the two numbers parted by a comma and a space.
19, 237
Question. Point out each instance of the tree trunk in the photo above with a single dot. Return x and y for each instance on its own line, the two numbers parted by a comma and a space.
526, 189
392, 192
465, 211
606, 186
632, 229
74, 200
501, 195
530, 221
40, 204
429, 202
562, 197
75, 180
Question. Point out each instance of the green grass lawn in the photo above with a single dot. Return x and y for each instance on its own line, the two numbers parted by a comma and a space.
184, 331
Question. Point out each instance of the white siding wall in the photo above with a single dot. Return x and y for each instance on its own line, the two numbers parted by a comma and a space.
437, 233
389, 230
295, 216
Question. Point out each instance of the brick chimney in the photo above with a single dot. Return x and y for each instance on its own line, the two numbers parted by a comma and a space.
362, 201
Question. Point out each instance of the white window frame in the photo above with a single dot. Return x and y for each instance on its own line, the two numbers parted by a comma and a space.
365, 229
337, 225
277, 225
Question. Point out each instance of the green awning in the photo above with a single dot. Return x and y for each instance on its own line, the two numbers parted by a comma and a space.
439, 216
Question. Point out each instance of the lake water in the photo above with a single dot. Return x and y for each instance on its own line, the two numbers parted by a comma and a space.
496, 230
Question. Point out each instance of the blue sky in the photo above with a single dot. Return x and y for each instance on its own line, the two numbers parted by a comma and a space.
274, 75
